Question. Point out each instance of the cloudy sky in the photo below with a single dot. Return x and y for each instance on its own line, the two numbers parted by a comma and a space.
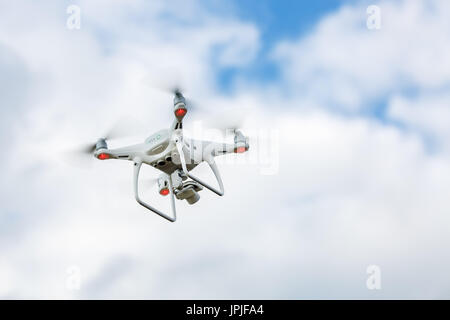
349, 164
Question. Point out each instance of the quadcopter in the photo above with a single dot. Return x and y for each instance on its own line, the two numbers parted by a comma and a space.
175, 156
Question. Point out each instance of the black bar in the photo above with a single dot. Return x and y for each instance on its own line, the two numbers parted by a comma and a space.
226, 309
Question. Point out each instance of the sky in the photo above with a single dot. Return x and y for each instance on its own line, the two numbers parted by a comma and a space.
348, 169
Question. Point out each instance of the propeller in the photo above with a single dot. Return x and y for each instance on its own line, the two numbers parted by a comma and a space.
149, 182
171, 82
168, 80
115, 132
228, 119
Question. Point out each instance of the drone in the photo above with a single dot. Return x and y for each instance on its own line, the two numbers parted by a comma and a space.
175, 156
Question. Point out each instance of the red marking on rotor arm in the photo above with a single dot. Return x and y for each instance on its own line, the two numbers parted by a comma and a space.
164, 192
240, 150
103, 156
180, 112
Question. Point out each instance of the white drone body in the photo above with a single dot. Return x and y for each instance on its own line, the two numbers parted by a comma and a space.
175, 156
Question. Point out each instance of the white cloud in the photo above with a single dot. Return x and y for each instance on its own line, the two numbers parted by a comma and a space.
351, 191
343, 64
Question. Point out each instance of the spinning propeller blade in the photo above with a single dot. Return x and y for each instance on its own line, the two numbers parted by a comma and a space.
227, 120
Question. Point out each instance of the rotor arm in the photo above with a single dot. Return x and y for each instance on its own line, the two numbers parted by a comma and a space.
137, 169
240, 145
125, 153
212, 165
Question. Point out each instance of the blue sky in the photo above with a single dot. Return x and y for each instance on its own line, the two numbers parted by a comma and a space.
352, 182
276, 20
284, 19
290, 20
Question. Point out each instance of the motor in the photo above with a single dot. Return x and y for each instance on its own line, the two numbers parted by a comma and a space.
185, 190
240, 142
